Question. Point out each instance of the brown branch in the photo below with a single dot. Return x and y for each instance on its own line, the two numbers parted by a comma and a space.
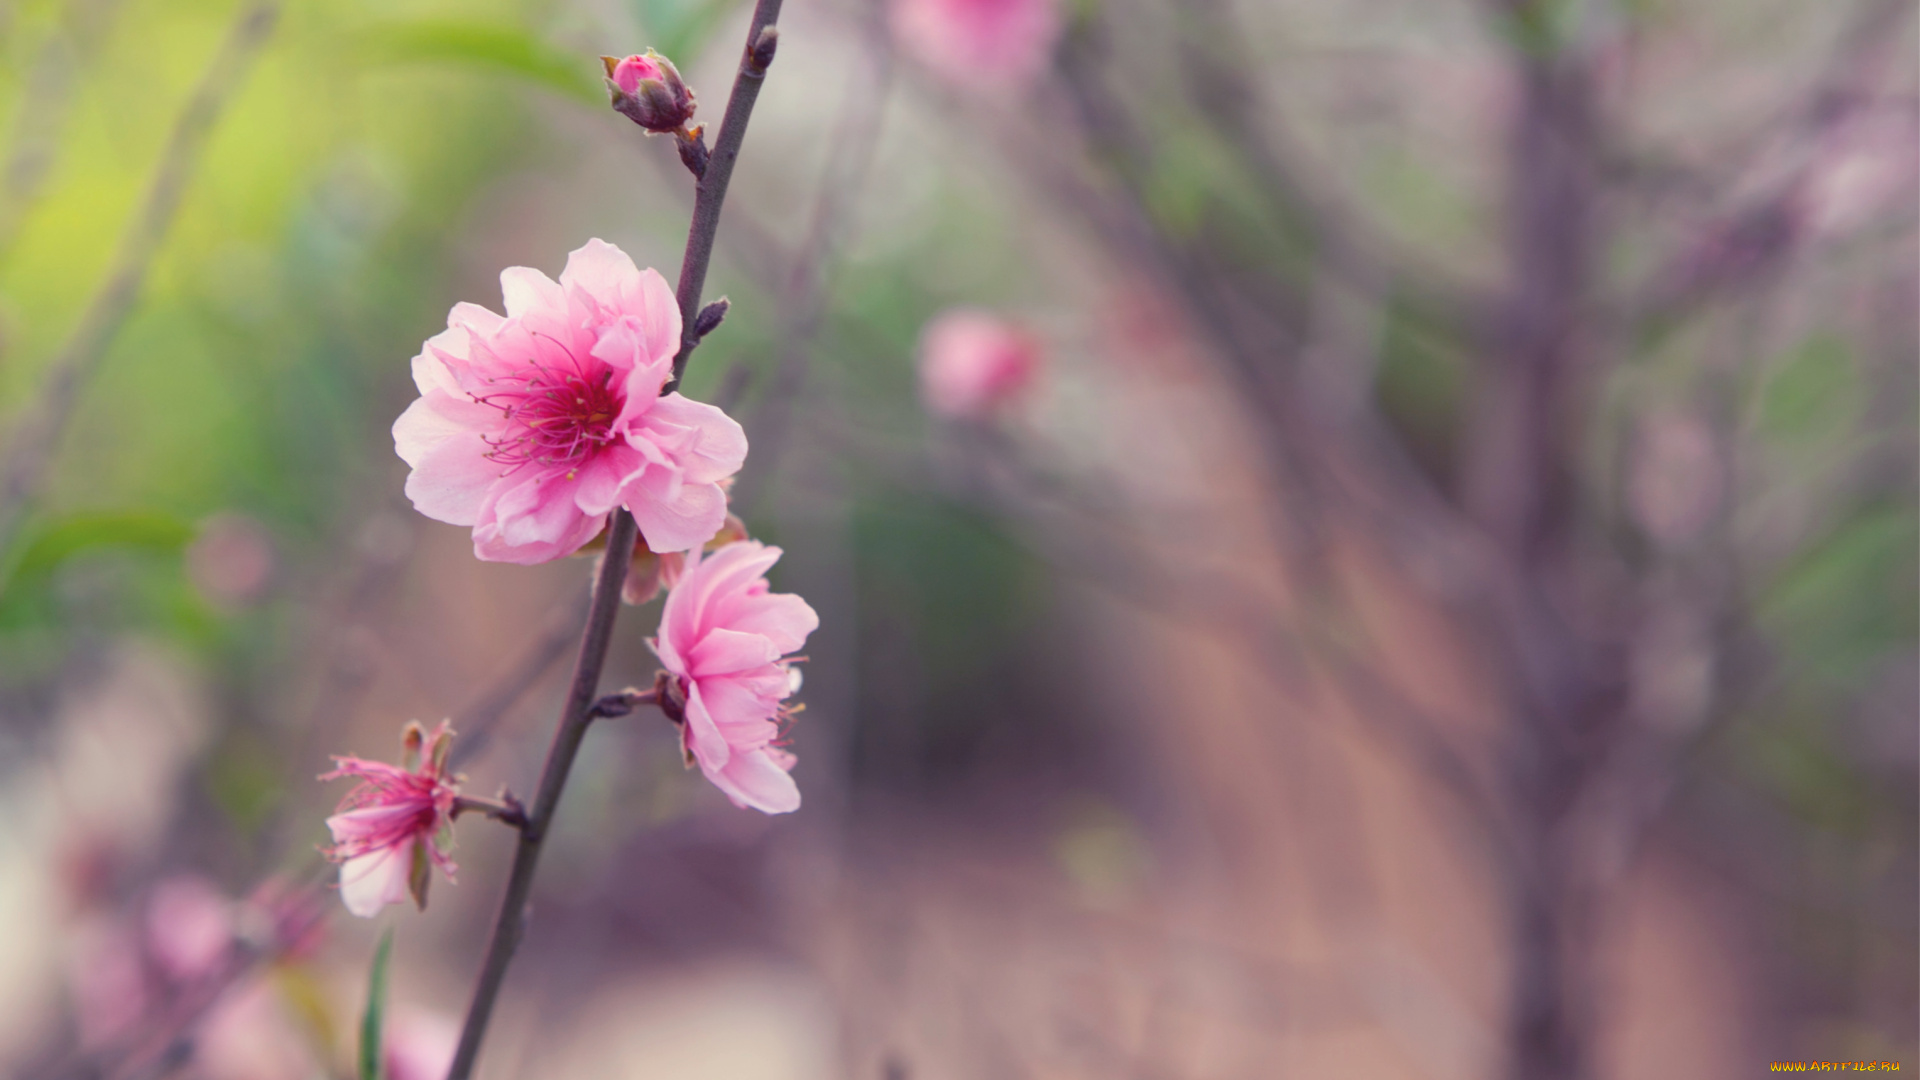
711, 192
582, 706
575, 717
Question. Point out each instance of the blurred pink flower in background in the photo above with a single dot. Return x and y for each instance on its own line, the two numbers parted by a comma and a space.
532, 428
250, 1036
231, 562
973, 363
420, 1045
106, 978
390, 822
189, 927
725, 639
975, 44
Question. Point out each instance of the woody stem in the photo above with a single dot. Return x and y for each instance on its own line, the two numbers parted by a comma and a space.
577, 714
581, 706
506, 810
711, 189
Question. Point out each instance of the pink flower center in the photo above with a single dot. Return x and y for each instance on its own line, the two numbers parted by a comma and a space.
556, 416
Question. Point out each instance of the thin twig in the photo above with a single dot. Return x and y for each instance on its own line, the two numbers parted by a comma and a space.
582, 706
45, 103
42, 423
712, 189
574, 720
506, 809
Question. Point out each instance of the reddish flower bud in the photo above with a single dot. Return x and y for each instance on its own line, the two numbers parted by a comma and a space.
649, 91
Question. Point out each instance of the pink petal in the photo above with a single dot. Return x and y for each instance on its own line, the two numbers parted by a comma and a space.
533, 521
661, 312
783, 618
703, 736
675, 515
450, 482
727, 652
757, 780
376, 879
604, 478
743, 705
371, 822
708, 444
603, 272
527, 291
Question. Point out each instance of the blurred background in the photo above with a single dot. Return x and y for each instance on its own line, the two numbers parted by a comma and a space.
1428, 588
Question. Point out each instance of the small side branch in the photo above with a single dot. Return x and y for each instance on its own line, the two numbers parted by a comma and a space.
624, 702
506, 809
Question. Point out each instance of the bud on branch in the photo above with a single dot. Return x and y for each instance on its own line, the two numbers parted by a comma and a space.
648, 90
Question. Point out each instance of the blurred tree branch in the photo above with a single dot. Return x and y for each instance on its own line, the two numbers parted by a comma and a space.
42, 115
39, 426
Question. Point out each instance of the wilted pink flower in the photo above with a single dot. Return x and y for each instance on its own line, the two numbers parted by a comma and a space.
189, 927
420, 1046
386, 832
725, 640
972, 363
995, 45
532, 428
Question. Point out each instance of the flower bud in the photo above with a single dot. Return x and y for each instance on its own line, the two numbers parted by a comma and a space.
649, 91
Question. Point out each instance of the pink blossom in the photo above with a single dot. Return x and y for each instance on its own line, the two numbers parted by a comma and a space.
533, 427
189, 927
420, 1046
973, 363
998, 45
653, 570
108, 986
391, 823
626, 74
726, 641
249, 1035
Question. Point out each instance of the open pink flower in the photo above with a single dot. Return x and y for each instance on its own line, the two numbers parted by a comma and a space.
973, 363
995, 45
533, 427
726, 641
387, 831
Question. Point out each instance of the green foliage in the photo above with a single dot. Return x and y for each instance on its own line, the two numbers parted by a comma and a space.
1812, 394
946, 574
1421, 386
680, 28
372, 1021
509, 49
1850, 596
